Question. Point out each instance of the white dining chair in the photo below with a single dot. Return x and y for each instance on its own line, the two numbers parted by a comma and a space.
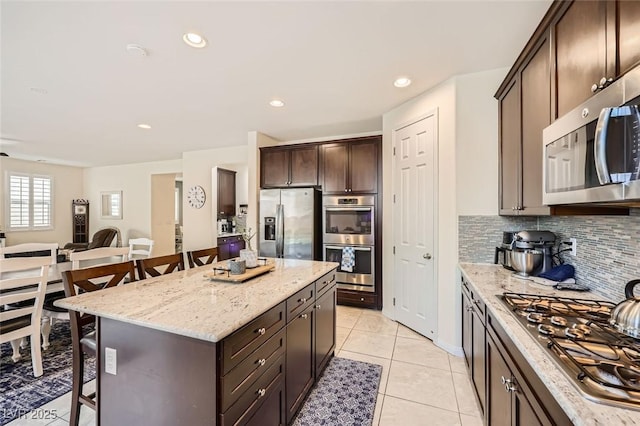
81, 259
140, 248
23, 304
25, 248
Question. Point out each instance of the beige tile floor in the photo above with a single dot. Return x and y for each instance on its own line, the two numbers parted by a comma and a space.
421, 384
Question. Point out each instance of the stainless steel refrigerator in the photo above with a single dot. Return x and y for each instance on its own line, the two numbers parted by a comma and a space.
290, 221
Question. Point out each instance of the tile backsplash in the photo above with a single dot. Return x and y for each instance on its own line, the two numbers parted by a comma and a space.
608, 247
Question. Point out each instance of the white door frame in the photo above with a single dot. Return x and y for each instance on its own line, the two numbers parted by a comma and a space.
436, 228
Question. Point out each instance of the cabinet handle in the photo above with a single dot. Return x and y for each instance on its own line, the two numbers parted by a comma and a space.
509, 386
303, 300
261, 392
304, 316
261, 362
261, 331
317, 306
469, 308
362, 299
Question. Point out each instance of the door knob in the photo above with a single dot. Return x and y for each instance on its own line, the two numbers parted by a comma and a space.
427, 256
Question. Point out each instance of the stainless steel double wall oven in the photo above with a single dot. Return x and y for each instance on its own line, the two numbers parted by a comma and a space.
348, 221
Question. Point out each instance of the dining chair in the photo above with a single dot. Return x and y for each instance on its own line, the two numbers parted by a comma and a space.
49, 250
94, 257
140, 248
19, 275
195, 257
85, 343
161, 265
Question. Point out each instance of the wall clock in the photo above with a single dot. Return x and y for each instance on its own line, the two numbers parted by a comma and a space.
196, 196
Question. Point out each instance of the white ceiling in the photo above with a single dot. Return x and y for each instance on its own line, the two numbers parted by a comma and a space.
333, 63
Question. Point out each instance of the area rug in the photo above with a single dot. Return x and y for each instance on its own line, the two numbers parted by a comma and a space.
20, 392
344, 395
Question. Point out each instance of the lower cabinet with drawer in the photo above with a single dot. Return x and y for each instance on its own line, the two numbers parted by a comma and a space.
268, 367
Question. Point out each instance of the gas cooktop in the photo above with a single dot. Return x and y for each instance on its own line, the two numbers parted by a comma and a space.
603, 363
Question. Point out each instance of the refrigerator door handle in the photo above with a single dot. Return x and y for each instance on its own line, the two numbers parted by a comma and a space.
279, 230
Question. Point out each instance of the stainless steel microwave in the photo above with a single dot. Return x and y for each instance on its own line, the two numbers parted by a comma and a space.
592, 154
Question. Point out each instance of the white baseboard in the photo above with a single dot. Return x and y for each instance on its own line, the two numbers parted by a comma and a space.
453, 350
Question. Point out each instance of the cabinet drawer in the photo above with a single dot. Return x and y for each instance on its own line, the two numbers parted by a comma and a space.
243, 342
356, 298
325, 283
243, 376
300, 301
250, 402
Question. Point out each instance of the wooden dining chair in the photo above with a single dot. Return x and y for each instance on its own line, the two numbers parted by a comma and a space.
79, 259
19, 275
85, 343
196, 257
161, 265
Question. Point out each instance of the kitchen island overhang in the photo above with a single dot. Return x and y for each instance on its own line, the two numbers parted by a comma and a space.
185, 344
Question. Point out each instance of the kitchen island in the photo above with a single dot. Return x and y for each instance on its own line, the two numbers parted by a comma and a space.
529, 360
194, 351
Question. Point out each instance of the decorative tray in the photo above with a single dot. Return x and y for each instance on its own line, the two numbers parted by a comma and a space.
221, 272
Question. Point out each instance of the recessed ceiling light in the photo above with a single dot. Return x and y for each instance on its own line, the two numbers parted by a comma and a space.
144, 126
194, 40
402, 82
39, 90
277, 103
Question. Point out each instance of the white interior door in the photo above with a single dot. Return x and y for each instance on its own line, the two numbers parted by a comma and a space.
415, 290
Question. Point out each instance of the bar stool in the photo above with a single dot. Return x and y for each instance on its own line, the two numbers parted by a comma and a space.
161, 265
195, 257
85, 280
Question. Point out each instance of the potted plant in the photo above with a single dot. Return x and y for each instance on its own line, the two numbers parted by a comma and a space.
249, 255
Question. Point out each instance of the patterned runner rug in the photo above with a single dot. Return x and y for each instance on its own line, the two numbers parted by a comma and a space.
344, 395
20, 392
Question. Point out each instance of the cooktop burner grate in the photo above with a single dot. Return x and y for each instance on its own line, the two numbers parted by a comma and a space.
603, 363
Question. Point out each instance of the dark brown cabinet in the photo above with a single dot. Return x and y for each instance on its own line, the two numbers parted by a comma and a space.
350, 167
229, 247
324, 328
300, 360
287, 167
508, 389
473, 341
628, 42
579, 46
524, 112
507, 405
226, 193
595, 43
580, 52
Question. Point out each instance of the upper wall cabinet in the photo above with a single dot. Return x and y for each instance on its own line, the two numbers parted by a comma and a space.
577, 45
595, 43
226, 193
350, 167
287, 167
525, 110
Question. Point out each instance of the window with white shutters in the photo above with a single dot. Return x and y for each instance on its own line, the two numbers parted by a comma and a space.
30, 202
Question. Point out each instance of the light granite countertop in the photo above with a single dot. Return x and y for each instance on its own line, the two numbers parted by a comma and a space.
491, 280
189, 304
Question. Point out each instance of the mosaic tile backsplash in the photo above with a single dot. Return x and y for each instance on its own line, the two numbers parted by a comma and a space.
608, 247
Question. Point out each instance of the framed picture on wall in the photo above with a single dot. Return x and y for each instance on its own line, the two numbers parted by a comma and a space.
111, 205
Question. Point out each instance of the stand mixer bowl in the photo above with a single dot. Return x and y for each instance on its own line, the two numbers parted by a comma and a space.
525, 261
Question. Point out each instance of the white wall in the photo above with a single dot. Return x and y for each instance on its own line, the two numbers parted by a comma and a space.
467, 181
199, 225
134, 180
477, 142
67, 186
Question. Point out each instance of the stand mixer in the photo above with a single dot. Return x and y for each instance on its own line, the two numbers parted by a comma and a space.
539, 241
